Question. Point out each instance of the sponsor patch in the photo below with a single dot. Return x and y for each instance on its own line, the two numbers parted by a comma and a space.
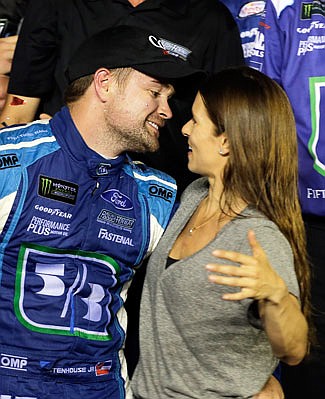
116, 220
119, 239
57, 190
170, 48
13, 362
312, 8
9, 161
103, 368
252, 8
100, 369
161, 192
103, 169
53, 211
47, 227
117, 199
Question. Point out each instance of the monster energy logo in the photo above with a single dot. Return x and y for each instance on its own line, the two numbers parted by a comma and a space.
58, 190
46, 184
309, 9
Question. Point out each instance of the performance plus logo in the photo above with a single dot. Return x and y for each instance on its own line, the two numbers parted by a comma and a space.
58, 190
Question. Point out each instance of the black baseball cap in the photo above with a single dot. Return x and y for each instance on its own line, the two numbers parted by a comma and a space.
126, 46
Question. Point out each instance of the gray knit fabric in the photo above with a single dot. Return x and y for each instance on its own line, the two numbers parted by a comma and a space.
193, 344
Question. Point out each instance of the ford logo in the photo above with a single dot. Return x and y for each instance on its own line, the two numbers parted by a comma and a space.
117, 199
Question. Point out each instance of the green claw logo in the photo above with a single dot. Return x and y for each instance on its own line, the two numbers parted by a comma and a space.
46, 185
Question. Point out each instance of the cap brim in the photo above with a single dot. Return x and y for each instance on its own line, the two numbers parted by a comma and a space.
170, 71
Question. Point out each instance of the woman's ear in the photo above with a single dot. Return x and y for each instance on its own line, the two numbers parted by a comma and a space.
224, 145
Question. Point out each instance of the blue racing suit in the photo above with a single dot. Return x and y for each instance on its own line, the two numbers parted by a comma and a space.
74, 226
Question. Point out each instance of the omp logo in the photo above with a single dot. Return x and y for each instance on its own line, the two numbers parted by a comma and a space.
9, 161
13, 362
117, 199
161, 192
58, 190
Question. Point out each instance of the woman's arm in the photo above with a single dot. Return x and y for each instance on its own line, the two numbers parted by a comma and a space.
282, 319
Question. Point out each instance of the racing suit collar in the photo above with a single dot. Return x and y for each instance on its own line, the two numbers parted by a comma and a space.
69, 138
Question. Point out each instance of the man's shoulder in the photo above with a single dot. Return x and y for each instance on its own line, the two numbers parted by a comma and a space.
26, 133
144, 172
152, 183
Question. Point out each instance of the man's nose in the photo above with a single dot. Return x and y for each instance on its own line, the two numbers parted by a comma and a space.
164, 110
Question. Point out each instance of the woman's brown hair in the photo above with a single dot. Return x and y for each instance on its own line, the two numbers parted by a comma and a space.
262, 169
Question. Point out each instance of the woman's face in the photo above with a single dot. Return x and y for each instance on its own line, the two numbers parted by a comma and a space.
204, 155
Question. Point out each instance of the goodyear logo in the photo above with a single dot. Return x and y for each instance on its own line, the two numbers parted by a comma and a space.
57, 190
9, 161
161, 192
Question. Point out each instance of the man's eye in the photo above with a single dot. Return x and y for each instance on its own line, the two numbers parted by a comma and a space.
154, 94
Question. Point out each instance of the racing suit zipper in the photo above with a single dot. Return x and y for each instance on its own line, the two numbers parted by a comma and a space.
95, 188
145, 221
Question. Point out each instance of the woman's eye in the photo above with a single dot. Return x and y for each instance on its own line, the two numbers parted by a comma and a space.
155, 94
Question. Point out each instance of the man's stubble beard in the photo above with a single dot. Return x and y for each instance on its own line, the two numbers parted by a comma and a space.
131, 139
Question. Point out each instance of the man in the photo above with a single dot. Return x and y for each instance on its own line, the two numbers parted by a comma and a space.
290, 48
77, 216
47, 42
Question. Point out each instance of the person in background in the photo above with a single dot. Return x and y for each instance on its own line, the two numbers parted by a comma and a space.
7, 48
247, 15
290, 48
77, 216
11, 16
243, 220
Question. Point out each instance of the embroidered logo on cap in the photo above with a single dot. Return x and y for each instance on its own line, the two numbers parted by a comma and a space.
170, 48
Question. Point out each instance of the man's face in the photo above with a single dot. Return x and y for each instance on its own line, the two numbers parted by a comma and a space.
137, 110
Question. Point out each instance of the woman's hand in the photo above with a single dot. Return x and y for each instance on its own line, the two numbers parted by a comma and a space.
280, 312
254, 275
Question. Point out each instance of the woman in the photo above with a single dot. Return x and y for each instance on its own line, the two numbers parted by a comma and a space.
202, 340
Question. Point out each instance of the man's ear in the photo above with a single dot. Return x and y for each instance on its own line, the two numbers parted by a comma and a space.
102, 82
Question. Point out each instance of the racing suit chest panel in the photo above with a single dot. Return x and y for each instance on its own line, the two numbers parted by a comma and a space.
79, 232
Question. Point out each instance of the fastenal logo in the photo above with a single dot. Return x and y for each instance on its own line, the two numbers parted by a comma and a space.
9, 161
13, 362
161, 192
58, 190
